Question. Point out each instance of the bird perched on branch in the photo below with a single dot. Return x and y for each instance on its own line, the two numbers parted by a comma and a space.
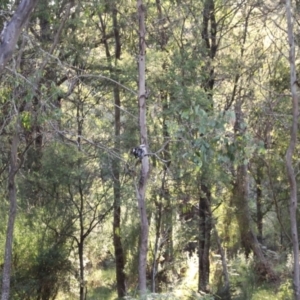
140, 151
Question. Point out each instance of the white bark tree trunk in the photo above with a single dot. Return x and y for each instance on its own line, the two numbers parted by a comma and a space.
141, 188
11, 32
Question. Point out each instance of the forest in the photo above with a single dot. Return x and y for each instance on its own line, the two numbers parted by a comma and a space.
149, 149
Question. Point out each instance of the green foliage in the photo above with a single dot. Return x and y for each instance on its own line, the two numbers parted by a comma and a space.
26, 120
40, 265
176, 296
243, 279
43, 275
101, 285
285, 291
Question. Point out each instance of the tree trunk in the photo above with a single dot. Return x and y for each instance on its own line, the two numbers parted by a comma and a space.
289, 153
141, 189
259, 212
12, 194
10, 34
80, 207
168, 215
157, 243
119, 252
209, 38
204, 238
240, 198
81, 270
80, 243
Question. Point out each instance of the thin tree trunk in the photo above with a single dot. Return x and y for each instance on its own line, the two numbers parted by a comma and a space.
259, 213
119, 252
81, 269
209, 38
204, 238
12, 194
157, 243
80, 207
141, 189
290, 151
81, 238
168, 215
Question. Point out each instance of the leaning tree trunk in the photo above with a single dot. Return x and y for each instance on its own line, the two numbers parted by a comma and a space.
141, 188
290, 151
12, 194
10, 34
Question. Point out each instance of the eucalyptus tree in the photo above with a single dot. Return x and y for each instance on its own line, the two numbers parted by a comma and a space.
12, 30
142, 184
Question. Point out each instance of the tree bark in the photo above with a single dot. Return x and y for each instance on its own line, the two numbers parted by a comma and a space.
80, 206
259, 212
290, 151
157, 243
81, 268
12, 194
10, 33
141, 189
119, 252
204, 238
209, 38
